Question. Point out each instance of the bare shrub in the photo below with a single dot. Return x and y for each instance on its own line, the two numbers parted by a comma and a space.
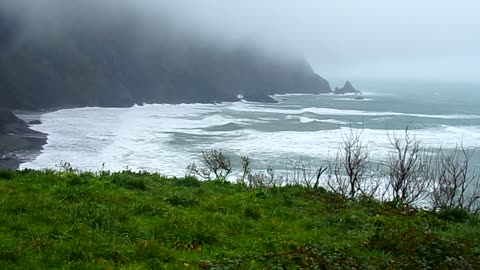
245, 169
337, 181
407, 168
454, 186
66, 167
264, 179
303, 173
372, 181
216, 163
201, 172
348, 170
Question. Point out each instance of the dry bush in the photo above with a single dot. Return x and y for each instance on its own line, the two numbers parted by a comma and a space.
347, 173
407, 170
245, 169
454, 185
216, 163
304, 173
264, 179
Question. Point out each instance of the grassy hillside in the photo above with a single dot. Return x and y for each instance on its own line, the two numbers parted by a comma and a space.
145, 221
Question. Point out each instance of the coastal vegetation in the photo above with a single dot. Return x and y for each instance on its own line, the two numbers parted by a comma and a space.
412, 174
68, 219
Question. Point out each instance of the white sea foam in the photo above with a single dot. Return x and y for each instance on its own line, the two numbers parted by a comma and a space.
306, 120
353, 99
330, 111
324, 143
167, 138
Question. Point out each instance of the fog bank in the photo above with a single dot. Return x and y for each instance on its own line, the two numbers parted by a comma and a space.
431, 39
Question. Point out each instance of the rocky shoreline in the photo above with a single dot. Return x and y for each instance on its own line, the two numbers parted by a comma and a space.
18, 142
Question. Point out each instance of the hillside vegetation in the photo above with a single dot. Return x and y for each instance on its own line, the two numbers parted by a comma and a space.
127, 220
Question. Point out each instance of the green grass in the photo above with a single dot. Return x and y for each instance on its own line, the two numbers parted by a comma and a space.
146, 221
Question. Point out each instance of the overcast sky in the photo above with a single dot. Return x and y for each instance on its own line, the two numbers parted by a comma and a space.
342, 39
427, 39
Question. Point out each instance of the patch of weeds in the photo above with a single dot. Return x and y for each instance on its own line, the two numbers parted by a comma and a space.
76, 180
147, 248
130, 181
177, 200
196, 237
119, 256
148, 209
7, 174
369, 202
187, 233
71, 196
153, 250
407, 238
454, 215
353, 220
187, 181
296, 257
8, 254
260, 195
121, 215
220, 182
252, 212
287, 200
19, 207
215, 208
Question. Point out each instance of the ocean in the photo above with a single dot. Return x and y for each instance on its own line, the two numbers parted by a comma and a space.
166, 138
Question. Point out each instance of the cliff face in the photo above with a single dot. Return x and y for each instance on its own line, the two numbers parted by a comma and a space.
108, 66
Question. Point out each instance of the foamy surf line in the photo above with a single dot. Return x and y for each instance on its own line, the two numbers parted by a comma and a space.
318, 143
329, 111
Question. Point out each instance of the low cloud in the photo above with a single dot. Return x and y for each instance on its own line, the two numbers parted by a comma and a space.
344, 38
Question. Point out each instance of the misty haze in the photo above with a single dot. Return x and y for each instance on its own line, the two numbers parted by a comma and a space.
364, 99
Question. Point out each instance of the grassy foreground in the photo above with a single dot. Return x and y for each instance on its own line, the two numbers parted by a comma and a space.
146, 221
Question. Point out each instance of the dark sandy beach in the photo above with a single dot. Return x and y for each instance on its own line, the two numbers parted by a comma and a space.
18, 142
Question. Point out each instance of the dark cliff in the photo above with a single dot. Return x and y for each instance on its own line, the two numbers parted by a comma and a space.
83, 64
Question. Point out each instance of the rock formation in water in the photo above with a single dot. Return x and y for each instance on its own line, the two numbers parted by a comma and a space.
346, 89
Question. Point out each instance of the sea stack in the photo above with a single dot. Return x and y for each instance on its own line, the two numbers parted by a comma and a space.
346, 89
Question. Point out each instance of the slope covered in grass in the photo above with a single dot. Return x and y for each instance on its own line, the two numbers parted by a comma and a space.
146, 221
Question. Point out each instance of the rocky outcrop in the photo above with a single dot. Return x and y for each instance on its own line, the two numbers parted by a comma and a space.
17, 141
9, 123
35, 122
346, 89
259, 98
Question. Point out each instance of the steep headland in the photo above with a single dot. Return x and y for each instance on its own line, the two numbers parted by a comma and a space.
97, 64
85, 56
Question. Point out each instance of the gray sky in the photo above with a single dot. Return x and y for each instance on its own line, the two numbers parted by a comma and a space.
342, 39
427, 39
